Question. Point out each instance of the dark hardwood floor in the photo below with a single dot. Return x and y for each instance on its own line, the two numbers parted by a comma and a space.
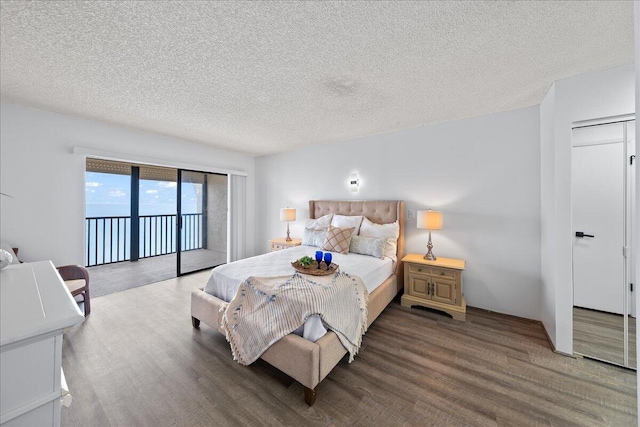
137, 361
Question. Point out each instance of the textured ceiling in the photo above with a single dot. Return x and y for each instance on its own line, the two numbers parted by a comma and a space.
266, 77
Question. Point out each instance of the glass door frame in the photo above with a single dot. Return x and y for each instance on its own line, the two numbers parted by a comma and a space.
628, 248
180, 221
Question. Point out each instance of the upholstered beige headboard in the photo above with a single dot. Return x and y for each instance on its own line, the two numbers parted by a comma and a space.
380, 212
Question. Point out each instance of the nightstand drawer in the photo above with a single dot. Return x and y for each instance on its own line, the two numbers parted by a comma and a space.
281, 243
416, 268
444, 273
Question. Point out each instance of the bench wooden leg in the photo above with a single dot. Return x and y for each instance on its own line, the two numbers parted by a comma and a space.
195, 322
310, 396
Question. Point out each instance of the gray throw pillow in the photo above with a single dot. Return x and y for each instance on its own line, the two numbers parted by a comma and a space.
373, 246
313, 237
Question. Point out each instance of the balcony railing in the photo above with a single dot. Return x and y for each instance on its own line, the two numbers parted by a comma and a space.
108, 238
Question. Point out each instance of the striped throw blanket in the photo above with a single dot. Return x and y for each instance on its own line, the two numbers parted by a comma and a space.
266, 309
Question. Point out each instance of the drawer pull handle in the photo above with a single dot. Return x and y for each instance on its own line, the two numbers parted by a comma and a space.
442, 273
419, 269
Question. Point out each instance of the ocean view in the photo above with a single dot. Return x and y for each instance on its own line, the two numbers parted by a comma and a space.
108, 195
122, 209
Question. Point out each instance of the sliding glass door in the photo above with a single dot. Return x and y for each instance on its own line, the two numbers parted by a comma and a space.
141, 212
202, 220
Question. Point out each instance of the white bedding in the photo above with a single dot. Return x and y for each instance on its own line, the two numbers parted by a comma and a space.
226, 279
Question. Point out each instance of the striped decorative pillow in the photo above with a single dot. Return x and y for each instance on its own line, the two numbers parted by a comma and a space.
338, 240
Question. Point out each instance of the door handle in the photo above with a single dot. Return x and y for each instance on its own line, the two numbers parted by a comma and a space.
581, 234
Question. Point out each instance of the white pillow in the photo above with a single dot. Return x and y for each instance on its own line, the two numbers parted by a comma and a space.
373, 246
7, 247
321, 223
344, 221
390, 231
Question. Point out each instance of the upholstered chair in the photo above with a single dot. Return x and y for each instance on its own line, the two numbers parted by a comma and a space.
77, 280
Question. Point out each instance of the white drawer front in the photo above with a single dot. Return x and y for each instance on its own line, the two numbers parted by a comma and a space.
28, 372
45, 415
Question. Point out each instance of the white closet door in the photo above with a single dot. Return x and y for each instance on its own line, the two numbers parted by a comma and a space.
631, 213
598, 210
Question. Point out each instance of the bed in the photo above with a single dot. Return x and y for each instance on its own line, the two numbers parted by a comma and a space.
305, 361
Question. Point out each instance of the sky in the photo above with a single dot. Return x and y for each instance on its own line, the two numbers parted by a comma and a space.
110, 195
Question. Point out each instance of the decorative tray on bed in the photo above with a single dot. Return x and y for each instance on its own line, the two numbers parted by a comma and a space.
313, 268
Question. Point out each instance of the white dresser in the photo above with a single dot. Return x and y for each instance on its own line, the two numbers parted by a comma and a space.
35, 309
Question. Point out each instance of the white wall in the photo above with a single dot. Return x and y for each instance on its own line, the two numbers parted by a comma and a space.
547, 211
589, 96
45, 219
483, 173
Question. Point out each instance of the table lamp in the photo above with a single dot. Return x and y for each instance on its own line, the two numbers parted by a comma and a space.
429, 220
288, 214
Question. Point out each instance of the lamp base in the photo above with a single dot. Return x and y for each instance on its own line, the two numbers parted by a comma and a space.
430, 256
288, 239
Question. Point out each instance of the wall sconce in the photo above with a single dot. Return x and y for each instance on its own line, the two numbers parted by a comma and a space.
287, 214
429, 220
354, 182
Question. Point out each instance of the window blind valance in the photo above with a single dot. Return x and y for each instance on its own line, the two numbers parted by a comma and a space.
155, 173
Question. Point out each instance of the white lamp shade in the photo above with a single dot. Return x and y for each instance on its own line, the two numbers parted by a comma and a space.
429, 220
287, 214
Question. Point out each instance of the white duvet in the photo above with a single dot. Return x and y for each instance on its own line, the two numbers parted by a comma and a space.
225, 279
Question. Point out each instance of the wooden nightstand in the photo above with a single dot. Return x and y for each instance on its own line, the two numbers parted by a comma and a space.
434, 284
280, 243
